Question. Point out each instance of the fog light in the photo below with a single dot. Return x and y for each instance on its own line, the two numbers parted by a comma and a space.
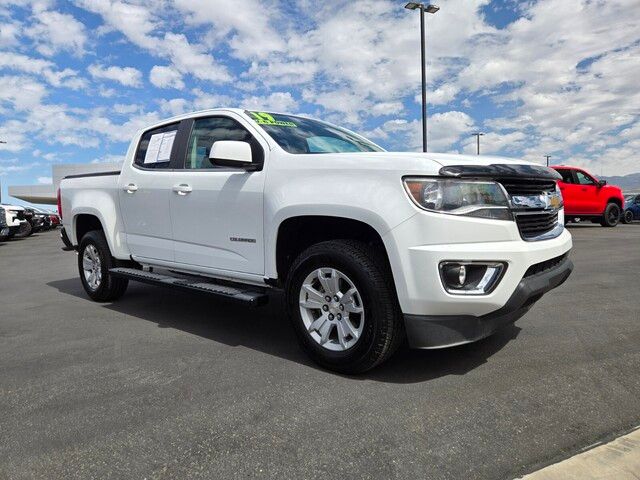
471, 278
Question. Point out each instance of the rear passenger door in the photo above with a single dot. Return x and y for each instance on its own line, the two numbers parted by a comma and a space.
144, 192
217, 212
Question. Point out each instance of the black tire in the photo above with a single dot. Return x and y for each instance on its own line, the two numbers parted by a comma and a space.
611, 215
383, 329
627, 216
26, 229
110, 288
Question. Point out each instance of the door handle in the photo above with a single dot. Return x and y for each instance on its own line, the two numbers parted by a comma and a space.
131, 188
182, 189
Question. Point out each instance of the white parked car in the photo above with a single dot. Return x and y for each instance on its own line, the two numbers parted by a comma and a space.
369, 246
14, 218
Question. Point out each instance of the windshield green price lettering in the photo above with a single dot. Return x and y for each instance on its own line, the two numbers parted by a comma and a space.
263, 118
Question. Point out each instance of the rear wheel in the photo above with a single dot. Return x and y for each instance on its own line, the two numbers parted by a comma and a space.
343, 306
611, 215
94, 262
627, 217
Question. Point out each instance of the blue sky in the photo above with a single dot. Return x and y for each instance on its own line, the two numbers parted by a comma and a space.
556, 77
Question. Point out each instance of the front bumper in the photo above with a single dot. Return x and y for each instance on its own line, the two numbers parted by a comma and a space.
439, 331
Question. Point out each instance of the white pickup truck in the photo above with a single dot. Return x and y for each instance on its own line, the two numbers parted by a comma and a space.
370, 247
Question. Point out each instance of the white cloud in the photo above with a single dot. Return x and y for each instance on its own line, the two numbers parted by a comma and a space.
276, 101
247, 25
127, 76
136, 22
192, 59
14, 133
443, 131
166, 77
54, 31
141, 25
9, 32
22, 93
175, 106
45, 68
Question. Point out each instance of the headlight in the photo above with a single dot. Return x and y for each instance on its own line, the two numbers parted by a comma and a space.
473, 198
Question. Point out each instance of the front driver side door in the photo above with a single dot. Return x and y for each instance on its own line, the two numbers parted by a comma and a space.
217, 212
589, 190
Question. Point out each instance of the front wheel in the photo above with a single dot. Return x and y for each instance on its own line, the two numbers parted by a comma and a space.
94, 262
26, 229
627, 217
611, 215
343, 306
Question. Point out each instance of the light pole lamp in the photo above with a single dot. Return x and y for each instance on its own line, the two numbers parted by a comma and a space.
547, 157
429, 9
478, 135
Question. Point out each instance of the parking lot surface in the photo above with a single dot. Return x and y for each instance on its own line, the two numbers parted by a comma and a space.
164, 384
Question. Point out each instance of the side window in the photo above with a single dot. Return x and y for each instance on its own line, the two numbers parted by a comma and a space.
208, 130
584, 179
154, 149
638, 200
566, 176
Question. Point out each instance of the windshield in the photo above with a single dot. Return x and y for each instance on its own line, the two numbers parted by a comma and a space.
629, 198
303, 135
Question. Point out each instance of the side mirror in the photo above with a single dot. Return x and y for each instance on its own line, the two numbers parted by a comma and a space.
231, 153
602, 183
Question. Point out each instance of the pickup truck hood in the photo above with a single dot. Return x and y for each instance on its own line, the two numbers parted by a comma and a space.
404, 163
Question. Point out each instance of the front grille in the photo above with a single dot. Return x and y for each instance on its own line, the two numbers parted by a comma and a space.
546, 265
527, 186
532, 225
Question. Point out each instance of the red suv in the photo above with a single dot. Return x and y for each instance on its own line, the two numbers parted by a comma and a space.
586, 197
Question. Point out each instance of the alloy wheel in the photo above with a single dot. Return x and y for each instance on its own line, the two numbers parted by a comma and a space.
92, 267
331, 308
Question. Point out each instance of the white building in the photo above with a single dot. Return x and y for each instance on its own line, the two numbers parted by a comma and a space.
47, 194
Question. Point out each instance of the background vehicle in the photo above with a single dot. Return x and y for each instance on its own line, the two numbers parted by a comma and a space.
55, 220
4, 228
15, 218
587, 198
368, 246
631, 208
45, 217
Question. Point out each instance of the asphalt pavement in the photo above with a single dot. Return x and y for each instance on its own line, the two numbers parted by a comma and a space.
162, 384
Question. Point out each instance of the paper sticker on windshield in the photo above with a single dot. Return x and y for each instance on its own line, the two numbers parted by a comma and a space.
264, 118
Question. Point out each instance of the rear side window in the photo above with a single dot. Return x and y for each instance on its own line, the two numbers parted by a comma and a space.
155, 147
208, 130
566, 176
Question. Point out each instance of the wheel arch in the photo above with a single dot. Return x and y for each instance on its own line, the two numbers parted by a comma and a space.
84, 223
617, 201
297, 233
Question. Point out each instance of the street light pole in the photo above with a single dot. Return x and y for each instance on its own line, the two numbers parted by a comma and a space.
478, 135
429, 9
547, 157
